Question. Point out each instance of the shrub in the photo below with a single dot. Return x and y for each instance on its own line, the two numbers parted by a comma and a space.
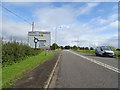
13, 52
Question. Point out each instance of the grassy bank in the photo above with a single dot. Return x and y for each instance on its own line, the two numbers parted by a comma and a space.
12, 72
87, 51
117, 53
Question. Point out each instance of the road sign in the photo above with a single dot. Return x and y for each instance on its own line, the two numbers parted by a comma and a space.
41, 35
37, 39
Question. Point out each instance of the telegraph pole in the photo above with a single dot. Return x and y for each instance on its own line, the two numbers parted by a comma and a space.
11, 38
56, 36
32, 26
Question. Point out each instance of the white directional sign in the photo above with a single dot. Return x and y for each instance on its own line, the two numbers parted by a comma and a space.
38, 39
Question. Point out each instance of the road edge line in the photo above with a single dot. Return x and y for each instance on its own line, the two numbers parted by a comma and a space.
98, 62
52, 73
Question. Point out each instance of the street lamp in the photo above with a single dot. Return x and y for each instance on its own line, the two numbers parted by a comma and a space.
56, 35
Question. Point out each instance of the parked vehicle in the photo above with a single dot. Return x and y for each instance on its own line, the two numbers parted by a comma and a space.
104, 51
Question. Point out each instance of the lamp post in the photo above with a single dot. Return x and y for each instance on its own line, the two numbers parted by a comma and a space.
56, 36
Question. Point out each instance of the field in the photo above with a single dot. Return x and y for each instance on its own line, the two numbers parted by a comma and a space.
12, 72
117, 53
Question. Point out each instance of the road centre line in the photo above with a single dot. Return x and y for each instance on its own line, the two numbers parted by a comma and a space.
98, 62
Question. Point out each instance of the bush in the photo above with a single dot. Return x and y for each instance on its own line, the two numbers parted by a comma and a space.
13, 52
75, 47
67, 47
54, 46
91, 48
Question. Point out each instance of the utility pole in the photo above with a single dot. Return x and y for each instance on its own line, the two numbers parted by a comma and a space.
32, 26
56, 36
11, 38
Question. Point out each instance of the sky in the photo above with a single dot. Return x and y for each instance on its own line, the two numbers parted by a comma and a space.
87, 24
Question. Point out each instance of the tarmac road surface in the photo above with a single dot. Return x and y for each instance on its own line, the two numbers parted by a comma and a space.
79, 70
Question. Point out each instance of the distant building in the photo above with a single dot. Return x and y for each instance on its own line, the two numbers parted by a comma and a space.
37, 39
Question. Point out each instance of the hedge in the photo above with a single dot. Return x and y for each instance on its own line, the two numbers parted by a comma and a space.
13, 52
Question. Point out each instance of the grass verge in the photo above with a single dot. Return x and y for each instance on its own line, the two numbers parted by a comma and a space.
117, 53
11, 73
87, 51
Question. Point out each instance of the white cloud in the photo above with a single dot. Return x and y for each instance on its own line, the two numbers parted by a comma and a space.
65, 16
103, 21
112, 41
55, 16
99, 21
15, 29
86, 8
114, 24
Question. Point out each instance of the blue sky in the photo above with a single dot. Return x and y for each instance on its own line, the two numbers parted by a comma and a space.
92, 23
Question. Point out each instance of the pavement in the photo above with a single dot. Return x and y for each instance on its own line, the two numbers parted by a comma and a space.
80, 70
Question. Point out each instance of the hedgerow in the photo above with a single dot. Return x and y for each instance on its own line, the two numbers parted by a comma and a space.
13, 52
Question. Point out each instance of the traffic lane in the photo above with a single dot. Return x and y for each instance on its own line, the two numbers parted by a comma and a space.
76, 72
107, 60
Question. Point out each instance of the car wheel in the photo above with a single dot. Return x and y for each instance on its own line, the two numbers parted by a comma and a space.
96, 54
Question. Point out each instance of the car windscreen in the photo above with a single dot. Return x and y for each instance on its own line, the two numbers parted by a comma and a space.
106, 48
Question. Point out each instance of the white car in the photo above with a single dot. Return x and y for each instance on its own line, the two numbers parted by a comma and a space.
104, 51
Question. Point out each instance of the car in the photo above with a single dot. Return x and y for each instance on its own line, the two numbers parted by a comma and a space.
104, 51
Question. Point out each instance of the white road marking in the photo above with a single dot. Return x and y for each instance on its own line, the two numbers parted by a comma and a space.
98, 62
52, 73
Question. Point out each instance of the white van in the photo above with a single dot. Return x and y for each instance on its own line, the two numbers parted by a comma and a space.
104, 51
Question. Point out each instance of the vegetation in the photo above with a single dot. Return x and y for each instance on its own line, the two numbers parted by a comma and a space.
67, 47
112, 48
54, 46
74, 47
13, 52
12, 72
18, 58
87, 51
61, 47
117, 53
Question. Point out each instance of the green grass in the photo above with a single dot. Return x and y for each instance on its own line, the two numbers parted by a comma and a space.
117, 53
86, 51
11, 73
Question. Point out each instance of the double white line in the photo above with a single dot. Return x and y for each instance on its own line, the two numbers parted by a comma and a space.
98, 62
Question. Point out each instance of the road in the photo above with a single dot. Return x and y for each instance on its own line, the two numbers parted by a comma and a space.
79, 70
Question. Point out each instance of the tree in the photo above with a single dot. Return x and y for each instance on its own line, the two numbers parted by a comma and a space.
75, 47
67, 47
118, 49
54, 46
86, 48
91, 48
81, 48
61, 47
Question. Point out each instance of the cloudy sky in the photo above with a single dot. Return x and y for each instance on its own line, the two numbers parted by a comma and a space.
76, 23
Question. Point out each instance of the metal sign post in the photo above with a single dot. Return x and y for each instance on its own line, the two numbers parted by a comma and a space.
35, 41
